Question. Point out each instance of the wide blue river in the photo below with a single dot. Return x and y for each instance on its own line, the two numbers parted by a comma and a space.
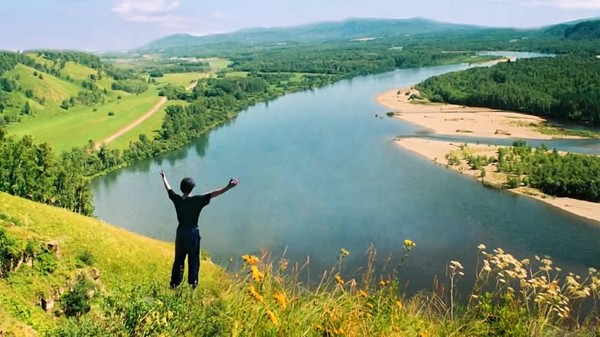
319, 172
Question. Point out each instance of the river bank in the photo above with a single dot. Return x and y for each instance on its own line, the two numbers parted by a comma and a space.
449, 119
437, 151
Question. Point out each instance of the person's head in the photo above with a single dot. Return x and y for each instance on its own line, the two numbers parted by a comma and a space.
187, 185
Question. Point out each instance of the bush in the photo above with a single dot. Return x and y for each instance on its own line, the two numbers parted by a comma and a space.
110, 113
76, 301
45, 262
86, 258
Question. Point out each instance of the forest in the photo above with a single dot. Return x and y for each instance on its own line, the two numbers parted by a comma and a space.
562, 87
562, 175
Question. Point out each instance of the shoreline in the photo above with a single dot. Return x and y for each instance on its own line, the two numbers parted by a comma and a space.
436, 151
449, 119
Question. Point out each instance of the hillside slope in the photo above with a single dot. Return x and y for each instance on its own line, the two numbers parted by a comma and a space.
86, 247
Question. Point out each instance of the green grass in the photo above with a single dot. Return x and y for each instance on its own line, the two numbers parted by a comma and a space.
80, 73
219, 64
149, 127
76, 126
236, 74
182, 79
51, 88
562, 132
124, 260
41, 59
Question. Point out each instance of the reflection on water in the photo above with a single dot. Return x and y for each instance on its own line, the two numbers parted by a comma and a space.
318, 172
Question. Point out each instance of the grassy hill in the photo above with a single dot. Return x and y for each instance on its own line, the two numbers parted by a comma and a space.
123, 260
67, 275
67, 99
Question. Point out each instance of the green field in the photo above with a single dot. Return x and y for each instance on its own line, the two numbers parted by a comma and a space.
149, 127
218, 64
81, 73
182, 79
76, 126
49, 87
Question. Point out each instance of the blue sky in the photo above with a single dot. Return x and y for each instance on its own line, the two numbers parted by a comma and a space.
100, 25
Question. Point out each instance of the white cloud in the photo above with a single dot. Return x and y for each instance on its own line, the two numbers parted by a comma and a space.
151, 11
145, 6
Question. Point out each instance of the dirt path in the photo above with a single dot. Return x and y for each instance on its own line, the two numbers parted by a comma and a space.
133, 124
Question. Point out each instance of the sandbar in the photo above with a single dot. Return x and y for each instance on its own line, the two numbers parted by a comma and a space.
436, 151
450, 119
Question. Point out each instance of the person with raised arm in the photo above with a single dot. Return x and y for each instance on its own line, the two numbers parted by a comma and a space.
187, 240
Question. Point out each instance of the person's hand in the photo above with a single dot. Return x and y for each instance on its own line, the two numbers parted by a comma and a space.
162, 173
233, 183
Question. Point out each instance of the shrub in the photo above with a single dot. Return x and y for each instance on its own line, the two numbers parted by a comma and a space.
76, 302
86, 258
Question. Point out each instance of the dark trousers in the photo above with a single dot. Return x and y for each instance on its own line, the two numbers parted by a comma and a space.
187, 243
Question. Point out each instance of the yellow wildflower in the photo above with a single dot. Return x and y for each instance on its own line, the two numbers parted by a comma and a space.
344, 252
362, 293
255, 294
409, 243
370, 305
280, 297
250, 259
384, 283
272, 317
398, 304
257, 275
337, 332
339, 279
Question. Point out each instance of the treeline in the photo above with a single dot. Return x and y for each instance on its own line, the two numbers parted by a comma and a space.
571, 175
134, 86
351, 60
62, 57
563, 87
35, 172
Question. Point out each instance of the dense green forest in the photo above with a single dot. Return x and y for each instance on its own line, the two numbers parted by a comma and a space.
344, 63
565, 87
571, 175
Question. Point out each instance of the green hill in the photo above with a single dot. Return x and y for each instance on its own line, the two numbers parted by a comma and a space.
86, 246
63, 274
584, 30
70, 98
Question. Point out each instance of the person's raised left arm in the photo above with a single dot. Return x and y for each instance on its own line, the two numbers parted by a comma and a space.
165, 181
232, 183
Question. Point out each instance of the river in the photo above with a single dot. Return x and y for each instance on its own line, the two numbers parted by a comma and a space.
319, 171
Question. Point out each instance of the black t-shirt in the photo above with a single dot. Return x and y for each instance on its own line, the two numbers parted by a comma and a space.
188, 209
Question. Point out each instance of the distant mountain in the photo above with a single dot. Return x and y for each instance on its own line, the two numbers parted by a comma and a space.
584, 30
317, 32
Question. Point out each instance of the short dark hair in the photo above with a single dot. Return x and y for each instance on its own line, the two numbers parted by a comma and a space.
187, 185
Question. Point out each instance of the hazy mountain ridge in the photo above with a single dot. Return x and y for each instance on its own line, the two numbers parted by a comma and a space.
358, 28
315, 32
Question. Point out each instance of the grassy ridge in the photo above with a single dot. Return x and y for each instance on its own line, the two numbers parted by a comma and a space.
124, 259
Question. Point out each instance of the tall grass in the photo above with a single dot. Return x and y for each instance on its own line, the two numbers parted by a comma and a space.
267, 297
